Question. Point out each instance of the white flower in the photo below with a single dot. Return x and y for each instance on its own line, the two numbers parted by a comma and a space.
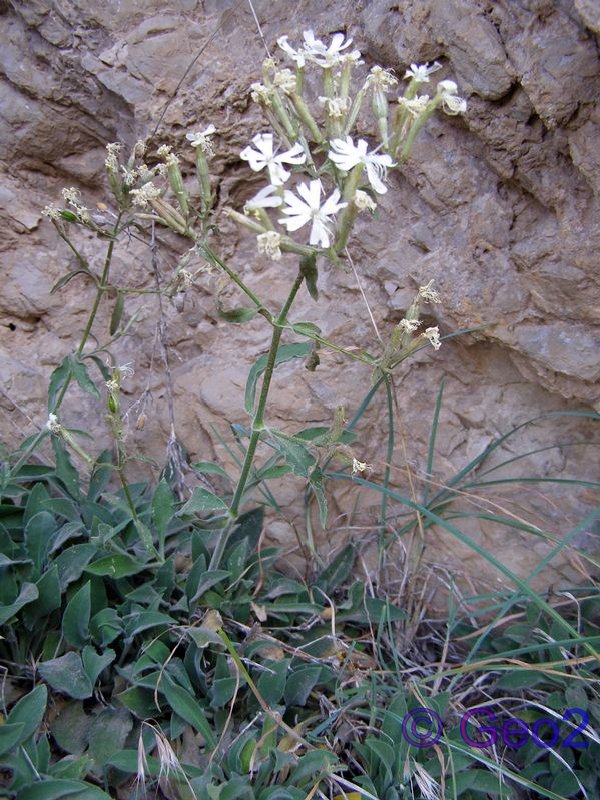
112, 159
363, 201
268, 243
416, 105
337, 107
409, 325
285, 80
382, 79
261, 93
141, 197
295, 55
360, 466
433, 334
53, 425
420, 73
73, 197
264, 199
130, 176
309, 209
317, 52
202, 139
428, 294
126, 370
52, 212
451, 103
263, 156
346, 155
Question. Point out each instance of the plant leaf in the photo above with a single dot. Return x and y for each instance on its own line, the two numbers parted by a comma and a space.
242, 314
59, 788
94, 663
285, 353
338, 570
38, 533
117, 313
163, 505
29, 711
316, 482
300, 684
60, 376
64, 467
71, 728
201, 501
29, 592
108, 733
76, 619
66, 675
72, 561
116, 565
10, 736
66, 278
308, 267
184, 704
81, 375
294, 452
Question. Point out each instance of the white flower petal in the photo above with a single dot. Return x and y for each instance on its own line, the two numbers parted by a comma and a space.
277, 173
295, 155
319, 234
264, 199
332, 204
295, 222
375, 180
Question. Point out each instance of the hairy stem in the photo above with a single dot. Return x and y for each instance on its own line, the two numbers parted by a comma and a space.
258, 421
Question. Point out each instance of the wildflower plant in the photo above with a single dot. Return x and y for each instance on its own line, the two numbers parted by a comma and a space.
138, 609
319, 173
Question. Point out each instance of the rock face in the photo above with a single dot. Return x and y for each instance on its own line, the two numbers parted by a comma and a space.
500, 207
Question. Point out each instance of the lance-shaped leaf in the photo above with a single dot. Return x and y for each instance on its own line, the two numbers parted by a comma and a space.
201, 501
294, 452
285, 353
80, 373
241, 314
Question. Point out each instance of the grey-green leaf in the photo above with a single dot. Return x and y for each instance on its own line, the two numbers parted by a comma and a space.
66, 675
94, 663
108, 733
201, 501
163, 506
59, 788
81, 375
29, 593
76, 619
285, 353
10, 736
116, 565
30, 711
71, 728
300, 684
295, 453
184, 704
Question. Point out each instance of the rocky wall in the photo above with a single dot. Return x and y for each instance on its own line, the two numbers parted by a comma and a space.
499, 207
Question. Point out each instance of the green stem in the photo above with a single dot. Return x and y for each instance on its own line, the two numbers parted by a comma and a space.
101, 289
279, 323
258, 421
214, 259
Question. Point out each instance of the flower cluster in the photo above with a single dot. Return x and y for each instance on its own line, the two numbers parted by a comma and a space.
315, 51
324, 149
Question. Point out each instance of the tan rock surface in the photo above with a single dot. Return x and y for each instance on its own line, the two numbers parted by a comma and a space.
499, 207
